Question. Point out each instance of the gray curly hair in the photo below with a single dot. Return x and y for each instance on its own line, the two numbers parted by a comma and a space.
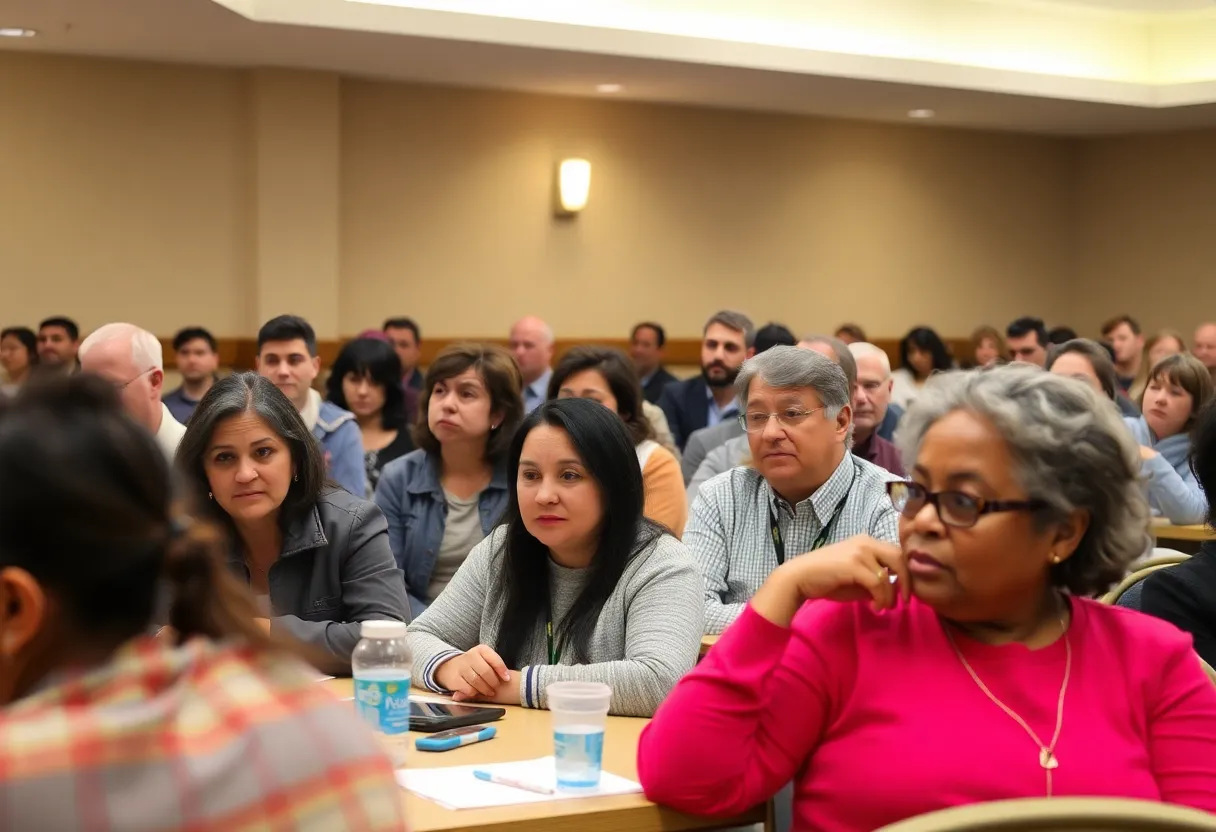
1070, 449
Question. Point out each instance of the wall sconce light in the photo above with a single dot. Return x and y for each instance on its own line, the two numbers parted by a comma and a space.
573, 186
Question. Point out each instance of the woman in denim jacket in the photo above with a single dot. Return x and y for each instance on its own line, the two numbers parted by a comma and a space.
444, 498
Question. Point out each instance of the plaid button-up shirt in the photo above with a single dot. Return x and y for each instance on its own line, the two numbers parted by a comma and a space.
203, 737
729, 531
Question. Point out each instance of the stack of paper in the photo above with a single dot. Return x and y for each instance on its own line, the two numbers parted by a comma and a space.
457, 788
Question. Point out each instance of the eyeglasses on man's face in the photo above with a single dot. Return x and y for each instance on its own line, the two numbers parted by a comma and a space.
755, 421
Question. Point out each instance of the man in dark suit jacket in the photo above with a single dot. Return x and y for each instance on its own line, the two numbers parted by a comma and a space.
708, 399
646, 344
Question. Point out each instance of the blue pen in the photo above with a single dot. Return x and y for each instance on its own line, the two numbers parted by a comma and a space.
490, 777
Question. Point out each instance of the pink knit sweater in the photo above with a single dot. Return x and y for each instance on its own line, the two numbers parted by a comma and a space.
875, 719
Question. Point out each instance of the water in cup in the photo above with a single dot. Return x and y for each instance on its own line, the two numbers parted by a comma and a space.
579, 711
579, 750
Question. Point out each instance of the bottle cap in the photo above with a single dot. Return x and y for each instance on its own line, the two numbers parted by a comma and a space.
382, 629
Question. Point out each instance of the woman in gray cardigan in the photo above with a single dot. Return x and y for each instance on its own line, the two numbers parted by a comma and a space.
576, 585
316, 557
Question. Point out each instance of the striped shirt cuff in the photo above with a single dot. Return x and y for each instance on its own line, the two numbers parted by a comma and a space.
529, 694
428, 672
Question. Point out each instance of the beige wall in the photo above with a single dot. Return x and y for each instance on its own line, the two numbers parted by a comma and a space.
175, 195
1147, 206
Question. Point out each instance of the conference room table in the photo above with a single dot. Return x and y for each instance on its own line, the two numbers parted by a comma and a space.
1166, 531
525, 734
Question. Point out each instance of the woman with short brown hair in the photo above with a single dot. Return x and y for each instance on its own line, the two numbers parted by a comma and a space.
444, 498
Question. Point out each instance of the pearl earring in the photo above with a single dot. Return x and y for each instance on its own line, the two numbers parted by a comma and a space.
210, 496
1055, 558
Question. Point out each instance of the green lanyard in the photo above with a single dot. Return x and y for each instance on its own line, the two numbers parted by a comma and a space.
555, 652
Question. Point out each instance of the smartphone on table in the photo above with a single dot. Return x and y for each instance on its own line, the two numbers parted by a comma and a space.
430, 717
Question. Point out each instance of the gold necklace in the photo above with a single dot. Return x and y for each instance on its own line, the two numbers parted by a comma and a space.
1047, 753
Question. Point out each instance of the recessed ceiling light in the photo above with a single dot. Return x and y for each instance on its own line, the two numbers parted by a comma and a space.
608, 88
9, 32
921, 113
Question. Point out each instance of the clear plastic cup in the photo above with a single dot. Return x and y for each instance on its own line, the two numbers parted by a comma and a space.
579, 711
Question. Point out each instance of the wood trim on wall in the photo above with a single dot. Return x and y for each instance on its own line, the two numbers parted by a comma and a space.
239, 353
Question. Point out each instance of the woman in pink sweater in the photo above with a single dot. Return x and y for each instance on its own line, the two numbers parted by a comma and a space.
964, 665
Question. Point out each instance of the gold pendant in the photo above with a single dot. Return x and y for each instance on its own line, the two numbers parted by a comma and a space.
1048, 760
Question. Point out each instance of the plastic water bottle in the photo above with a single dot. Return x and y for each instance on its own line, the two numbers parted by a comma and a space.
381, 666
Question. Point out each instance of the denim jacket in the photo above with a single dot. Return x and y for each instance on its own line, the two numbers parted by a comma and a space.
411, 497
339, 435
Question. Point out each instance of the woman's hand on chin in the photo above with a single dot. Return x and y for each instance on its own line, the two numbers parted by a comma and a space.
853, 570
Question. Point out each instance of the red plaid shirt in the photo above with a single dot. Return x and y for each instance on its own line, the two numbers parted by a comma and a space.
199, 738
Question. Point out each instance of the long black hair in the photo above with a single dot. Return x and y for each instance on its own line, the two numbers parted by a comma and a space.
926, 340
378, 362
250, 393
605, 446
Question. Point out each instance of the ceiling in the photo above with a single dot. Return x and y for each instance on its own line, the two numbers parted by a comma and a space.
430, 43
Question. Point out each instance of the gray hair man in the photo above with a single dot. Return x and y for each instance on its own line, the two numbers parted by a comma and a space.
871, 399
133, 361
732, 450
803, 490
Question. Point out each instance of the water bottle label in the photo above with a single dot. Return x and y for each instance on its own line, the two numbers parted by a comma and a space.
384, 705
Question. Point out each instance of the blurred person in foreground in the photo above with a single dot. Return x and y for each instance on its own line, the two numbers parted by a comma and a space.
214, 728
910, 673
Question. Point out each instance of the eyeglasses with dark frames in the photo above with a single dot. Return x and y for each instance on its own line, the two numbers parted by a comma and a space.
955, 508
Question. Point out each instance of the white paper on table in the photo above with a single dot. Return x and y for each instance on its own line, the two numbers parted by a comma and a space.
457, 788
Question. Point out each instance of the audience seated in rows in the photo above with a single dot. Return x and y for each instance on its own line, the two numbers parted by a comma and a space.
921, 354
709, 399
316, 557
871, 399
1185, 594
58, 345
737, 450
442, 499
987, 348
1090, 362
132, 360
646, 343
18, 356
982, 672
1178, 388
1060, 335
215, 727
605, 375
704, 440
531, 342
851, 334
1026, 340
406, 338
366, 380
198, 361
576, 586
803, 489
1165, 343
1127, 342
1205, 347
287, 356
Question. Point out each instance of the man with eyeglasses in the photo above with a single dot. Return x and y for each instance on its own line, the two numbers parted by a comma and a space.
803, 489
132, 360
